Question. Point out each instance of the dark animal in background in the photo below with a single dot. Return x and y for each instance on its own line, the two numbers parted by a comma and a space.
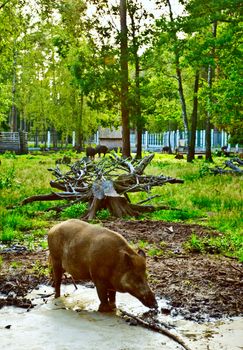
179, 156
101, 149
166, 149
90, 152
91, 252
225, 152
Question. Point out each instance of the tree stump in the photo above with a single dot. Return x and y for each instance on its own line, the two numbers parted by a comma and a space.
105, 184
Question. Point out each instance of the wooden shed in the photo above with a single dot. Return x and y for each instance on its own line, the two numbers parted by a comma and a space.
110, 137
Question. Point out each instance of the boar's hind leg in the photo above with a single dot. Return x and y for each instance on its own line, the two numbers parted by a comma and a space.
57, 276
103, 296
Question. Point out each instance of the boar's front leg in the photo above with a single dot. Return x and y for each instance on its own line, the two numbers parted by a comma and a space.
103, 296
112, 298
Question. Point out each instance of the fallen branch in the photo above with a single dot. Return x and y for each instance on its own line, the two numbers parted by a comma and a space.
234, 169
156, 328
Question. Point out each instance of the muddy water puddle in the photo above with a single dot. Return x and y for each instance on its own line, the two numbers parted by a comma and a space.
72, 322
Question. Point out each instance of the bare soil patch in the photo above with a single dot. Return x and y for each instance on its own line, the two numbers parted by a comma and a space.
198, 286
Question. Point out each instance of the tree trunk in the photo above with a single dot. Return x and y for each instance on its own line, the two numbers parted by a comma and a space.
80, 122
139, 142
139, 120
137, 100
210, 84
192, 137
179, 76
14, 126
124, 81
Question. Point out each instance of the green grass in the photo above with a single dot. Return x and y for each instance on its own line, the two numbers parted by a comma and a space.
203, 198
75, 211
226, 244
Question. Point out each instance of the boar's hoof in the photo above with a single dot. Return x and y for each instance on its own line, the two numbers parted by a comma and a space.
106, 308
113, 306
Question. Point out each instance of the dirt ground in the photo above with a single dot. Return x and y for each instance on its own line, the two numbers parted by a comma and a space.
197, 286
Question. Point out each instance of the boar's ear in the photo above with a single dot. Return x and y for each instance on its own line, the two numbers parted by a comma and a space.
141, 253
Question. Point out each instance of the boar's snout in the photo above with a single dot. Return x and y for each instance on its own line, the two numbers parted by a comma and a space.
150, 301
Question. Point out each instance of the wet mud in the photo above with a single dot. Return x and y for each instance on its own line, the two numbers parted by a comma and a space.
72, 322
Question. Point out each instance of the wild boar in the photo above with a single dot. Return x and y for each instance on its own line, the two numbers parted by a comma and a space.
166, 149
90, 252
101, 149
90, 152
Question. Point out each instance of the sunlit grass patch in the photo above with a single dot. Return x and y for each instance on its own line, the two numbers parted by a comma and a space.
15, 221
227, 221
174, 215
74, 211
7, 235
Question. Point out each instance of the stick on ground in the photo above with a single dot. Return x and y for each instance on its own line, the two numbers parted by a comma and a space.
156, 328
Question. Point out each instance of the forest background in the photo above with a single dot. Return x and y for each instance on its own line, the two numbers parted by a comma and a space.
76, 65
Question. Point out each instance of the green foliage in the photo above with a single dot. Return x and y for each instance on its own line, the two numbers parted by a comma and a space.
142, 244
7, 180
7, 235
16, 264
151, 249
15, 221
103, 214
40, 270
9, 155
204, 170
231, 245
74, 211
155, 252
194, 244
175, 215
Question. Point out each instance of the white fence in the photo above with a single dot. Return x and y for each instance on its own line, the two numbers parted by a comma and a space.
155, 141
150, 141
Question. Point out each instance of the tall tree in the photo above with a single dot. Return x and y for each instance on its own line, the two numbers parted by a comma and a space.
124, 80
194, 117
210, 85
215, 23
174, 33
